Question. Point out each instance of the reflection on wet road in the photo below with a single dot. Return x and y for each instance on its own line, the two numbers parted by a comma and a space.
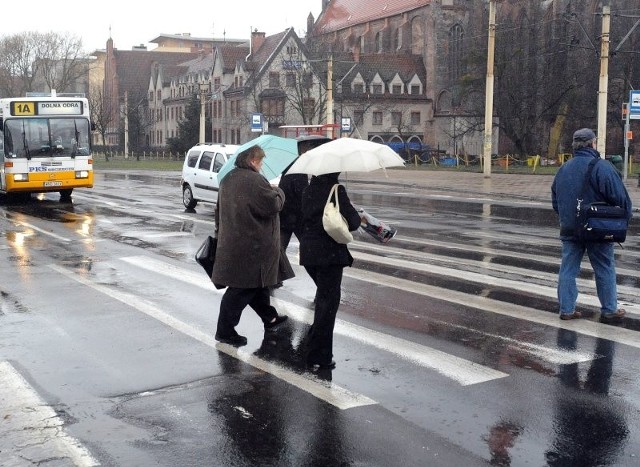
448, 346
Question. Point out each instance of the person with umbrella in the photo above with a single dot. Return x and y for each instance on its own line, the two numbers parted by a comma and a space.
324, 259
293, 185
248, 252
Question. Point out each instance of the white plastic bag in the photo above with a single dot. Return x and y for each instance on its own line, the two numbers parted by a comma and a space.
375, 227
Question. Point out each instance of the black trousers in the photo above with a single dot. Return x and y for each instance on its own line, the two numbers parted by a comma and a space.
328, 280
235, 300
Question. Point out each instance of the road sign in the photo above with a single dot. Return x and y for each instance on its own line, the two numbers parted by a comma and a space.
634, 105
346, 124
256, 122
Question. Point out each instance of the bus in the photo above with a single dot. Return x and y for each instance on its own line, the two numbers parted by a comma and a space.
45, 144
328, 130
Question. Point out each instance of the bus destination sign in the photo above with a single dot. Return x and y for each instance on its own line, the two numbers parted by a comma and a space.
33, 108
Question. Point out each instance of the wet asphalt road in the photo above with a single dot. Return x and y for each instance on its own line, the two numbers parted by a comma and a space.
448, 348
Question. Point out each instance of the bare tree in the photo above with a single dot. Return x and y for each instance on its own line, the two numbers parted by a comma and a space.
62, 64
33, 61
100, 114
17, 64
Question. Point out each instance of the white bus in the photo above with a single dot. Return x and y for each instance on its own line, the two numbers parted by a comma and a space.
45, 144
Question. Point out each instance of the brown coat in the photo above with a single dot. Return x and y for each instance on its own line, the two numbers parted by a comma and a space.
248, 227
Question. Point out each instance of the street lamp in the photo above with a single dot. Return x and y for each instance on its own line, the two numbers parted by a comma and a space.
204, 88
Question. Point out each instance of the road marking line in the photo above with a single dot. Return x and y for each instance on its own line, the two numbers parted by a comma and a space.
483, 279
38, 229
30, 420
583, 326
331, 393
458, 369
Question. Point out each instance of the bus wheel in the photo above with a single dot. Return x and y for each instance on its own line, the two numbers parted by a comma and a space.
187, 197
65, 195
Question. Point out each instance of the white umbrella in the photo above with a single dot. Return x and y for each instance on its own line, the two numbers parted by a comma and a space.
346, 155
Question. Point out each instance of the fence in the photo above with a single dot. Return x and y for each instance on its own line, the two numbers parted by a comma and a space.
138, 156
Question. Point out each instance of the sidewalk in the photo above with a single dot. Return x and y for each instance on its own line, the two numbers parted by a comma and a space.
499, 185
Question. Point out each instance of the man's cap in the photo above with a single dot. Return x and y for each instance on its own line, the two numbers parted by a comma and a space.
584, 134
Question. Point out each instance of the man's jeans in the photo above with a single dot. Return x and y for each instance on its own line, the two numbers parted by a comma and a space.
604, 268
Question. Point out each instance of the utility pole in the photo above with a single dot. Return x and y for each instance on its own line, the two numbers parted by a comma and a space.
330, 90
488, 107
126, 125
604, 81
203, 89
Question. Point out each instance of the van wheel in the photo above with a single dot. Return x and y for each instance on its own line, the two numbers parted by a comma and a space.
187, 197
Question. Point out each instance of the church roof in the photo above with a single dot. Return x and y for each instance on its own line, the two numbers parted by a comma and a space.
341, 14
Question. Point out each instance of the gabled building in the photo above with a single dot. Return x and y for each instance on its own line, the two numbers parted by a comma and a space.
271, 76
411, 64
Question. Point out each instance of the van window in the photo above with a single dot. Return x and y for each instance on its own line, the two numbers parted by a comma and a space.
205, 161
192, 158
218, 162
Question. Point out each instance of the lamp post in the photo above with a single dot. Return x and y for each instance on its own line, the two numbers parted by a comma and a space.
488, 109
204, 87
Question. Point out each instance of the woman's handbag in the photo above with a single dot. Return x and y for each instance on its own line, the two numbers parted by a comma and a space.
333, 222
599, 222
206, 254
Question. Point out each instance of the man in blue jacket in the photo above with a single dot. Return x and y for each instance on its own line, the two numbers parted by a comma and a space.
605, 185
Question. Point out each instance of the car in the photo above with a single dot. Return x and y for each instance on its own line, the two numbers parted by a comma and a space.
199, 180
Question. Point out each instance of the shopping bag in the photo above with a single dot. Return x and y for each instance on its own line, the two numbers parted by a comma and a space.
375, 227
333, 222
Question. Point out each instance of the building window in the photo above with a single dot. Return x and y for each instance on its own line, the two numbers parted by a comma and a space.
415, 118
456, 36
273, 108
274, 79
398, 39
396, 89
376, 88
415, 89
396, 118
292, 50
290, 80
358, 117
377, 118
417, 38
379, 40
358, 88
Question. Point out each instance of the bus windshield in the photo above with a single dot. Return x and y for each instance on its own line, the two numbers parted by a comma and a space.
46, 137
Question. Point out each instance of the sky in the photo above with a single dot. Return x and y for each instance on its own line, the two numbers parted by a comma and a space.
131, 22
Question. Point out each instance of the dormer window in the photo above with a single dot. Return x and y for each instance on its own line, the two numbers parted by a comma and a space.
358, 88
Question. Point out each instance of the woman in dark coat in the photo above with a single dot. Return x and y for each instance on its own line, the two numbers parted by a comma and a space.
248, 252
324, 260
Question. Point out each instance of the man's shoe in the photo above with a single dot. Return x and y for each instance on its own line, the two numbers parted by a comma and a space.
574, 315
321, 366
236, 340
274, 324
615, 316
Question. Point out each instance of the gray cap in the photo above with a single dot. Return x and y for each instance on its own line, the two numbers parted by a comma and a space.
584, 134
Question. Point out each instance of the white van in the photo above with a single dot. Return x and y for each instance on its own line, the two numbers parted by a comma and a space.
200, 172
